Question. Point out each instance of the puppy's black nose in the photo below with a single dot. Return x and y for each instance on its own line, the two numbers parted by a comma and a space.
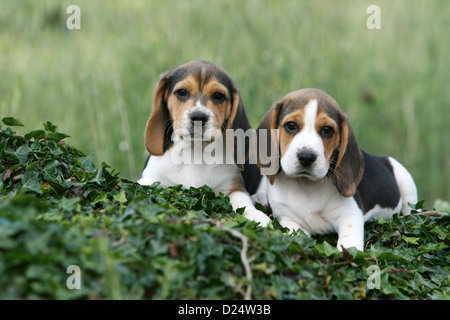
306, 158
199, 116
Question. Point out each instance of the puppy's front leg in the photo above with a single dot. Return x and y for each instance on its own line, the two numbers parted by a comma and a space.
293, 226
146, 181
241, 199
350, 228
261, 193
151, 167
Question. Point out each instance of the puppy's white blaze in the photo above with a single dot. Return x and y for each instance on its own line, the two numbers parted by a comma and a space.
306, 140
200, 107
310, 116
183, 130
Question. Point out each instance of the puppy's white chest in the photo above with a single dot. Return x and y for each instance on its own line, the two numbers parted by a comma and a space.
170, 171
305, 204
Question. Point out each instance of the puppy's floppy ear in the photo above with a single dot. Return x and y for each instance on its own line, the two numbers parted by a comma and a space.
268, 138
237, 120
157, 135
350, 162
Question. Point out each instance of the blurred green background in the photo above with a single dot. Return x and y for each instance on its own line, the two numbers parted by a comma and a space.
96, 83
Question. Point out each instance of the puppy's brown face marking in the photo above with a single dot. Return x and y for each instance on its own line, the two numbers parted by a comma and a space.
328, 128
290, 125
309, 133
203, 89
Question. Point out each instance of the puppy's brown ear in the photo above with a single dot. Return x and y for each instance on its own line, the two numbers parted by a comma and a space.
350, 162
238, 120
157, 135
238, 117
268, 142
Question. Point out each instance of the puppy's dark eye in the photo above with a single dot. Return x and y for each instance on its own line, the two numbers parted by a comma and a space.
291, 127
327, 132
218, 96
182, 93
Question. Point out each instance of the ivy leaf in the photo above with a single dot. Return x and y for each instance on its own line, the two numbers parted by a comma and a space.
22, 153
88, 162
56, 136
327, 249
68, 204
102, 197
99, 179
418, 205
433, 247
12, 122
120, 197
52, 171
440, 232
410, 240
30, 182
389, 256
53, 149
49, 126
35, 134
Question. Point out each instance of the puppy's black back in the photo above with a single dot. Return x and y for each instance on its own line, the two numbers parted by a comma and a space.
378, 185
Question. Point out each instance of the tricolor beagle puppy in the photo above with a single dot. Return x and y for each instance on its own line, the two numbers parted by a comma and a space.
193, 106
324, 182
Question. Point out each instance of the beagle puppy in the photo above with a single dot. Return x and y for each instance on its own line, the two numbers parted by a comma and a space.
193, 106
324, 183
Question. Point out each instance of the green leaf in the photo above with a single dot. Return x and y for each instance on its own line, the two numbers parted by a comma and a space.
418, 205
389, 256
49, 126
433, 247
68, 204
53, 149
32, 165
36, 134
360, 257
327, 249
102, 197
99, 179
439, 275
22, 153
410, 240
440, 232
120, 197
56, 136
30, 182
88, 162
12, 122
52, 171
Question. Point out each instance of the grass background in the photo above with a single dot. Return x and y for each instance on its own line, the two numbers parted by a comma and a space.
96, 83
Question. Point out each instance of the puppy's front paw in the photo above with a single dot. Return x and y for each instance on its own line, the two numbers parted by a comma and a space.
146, 181
348, 242
257, 216
261, 197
